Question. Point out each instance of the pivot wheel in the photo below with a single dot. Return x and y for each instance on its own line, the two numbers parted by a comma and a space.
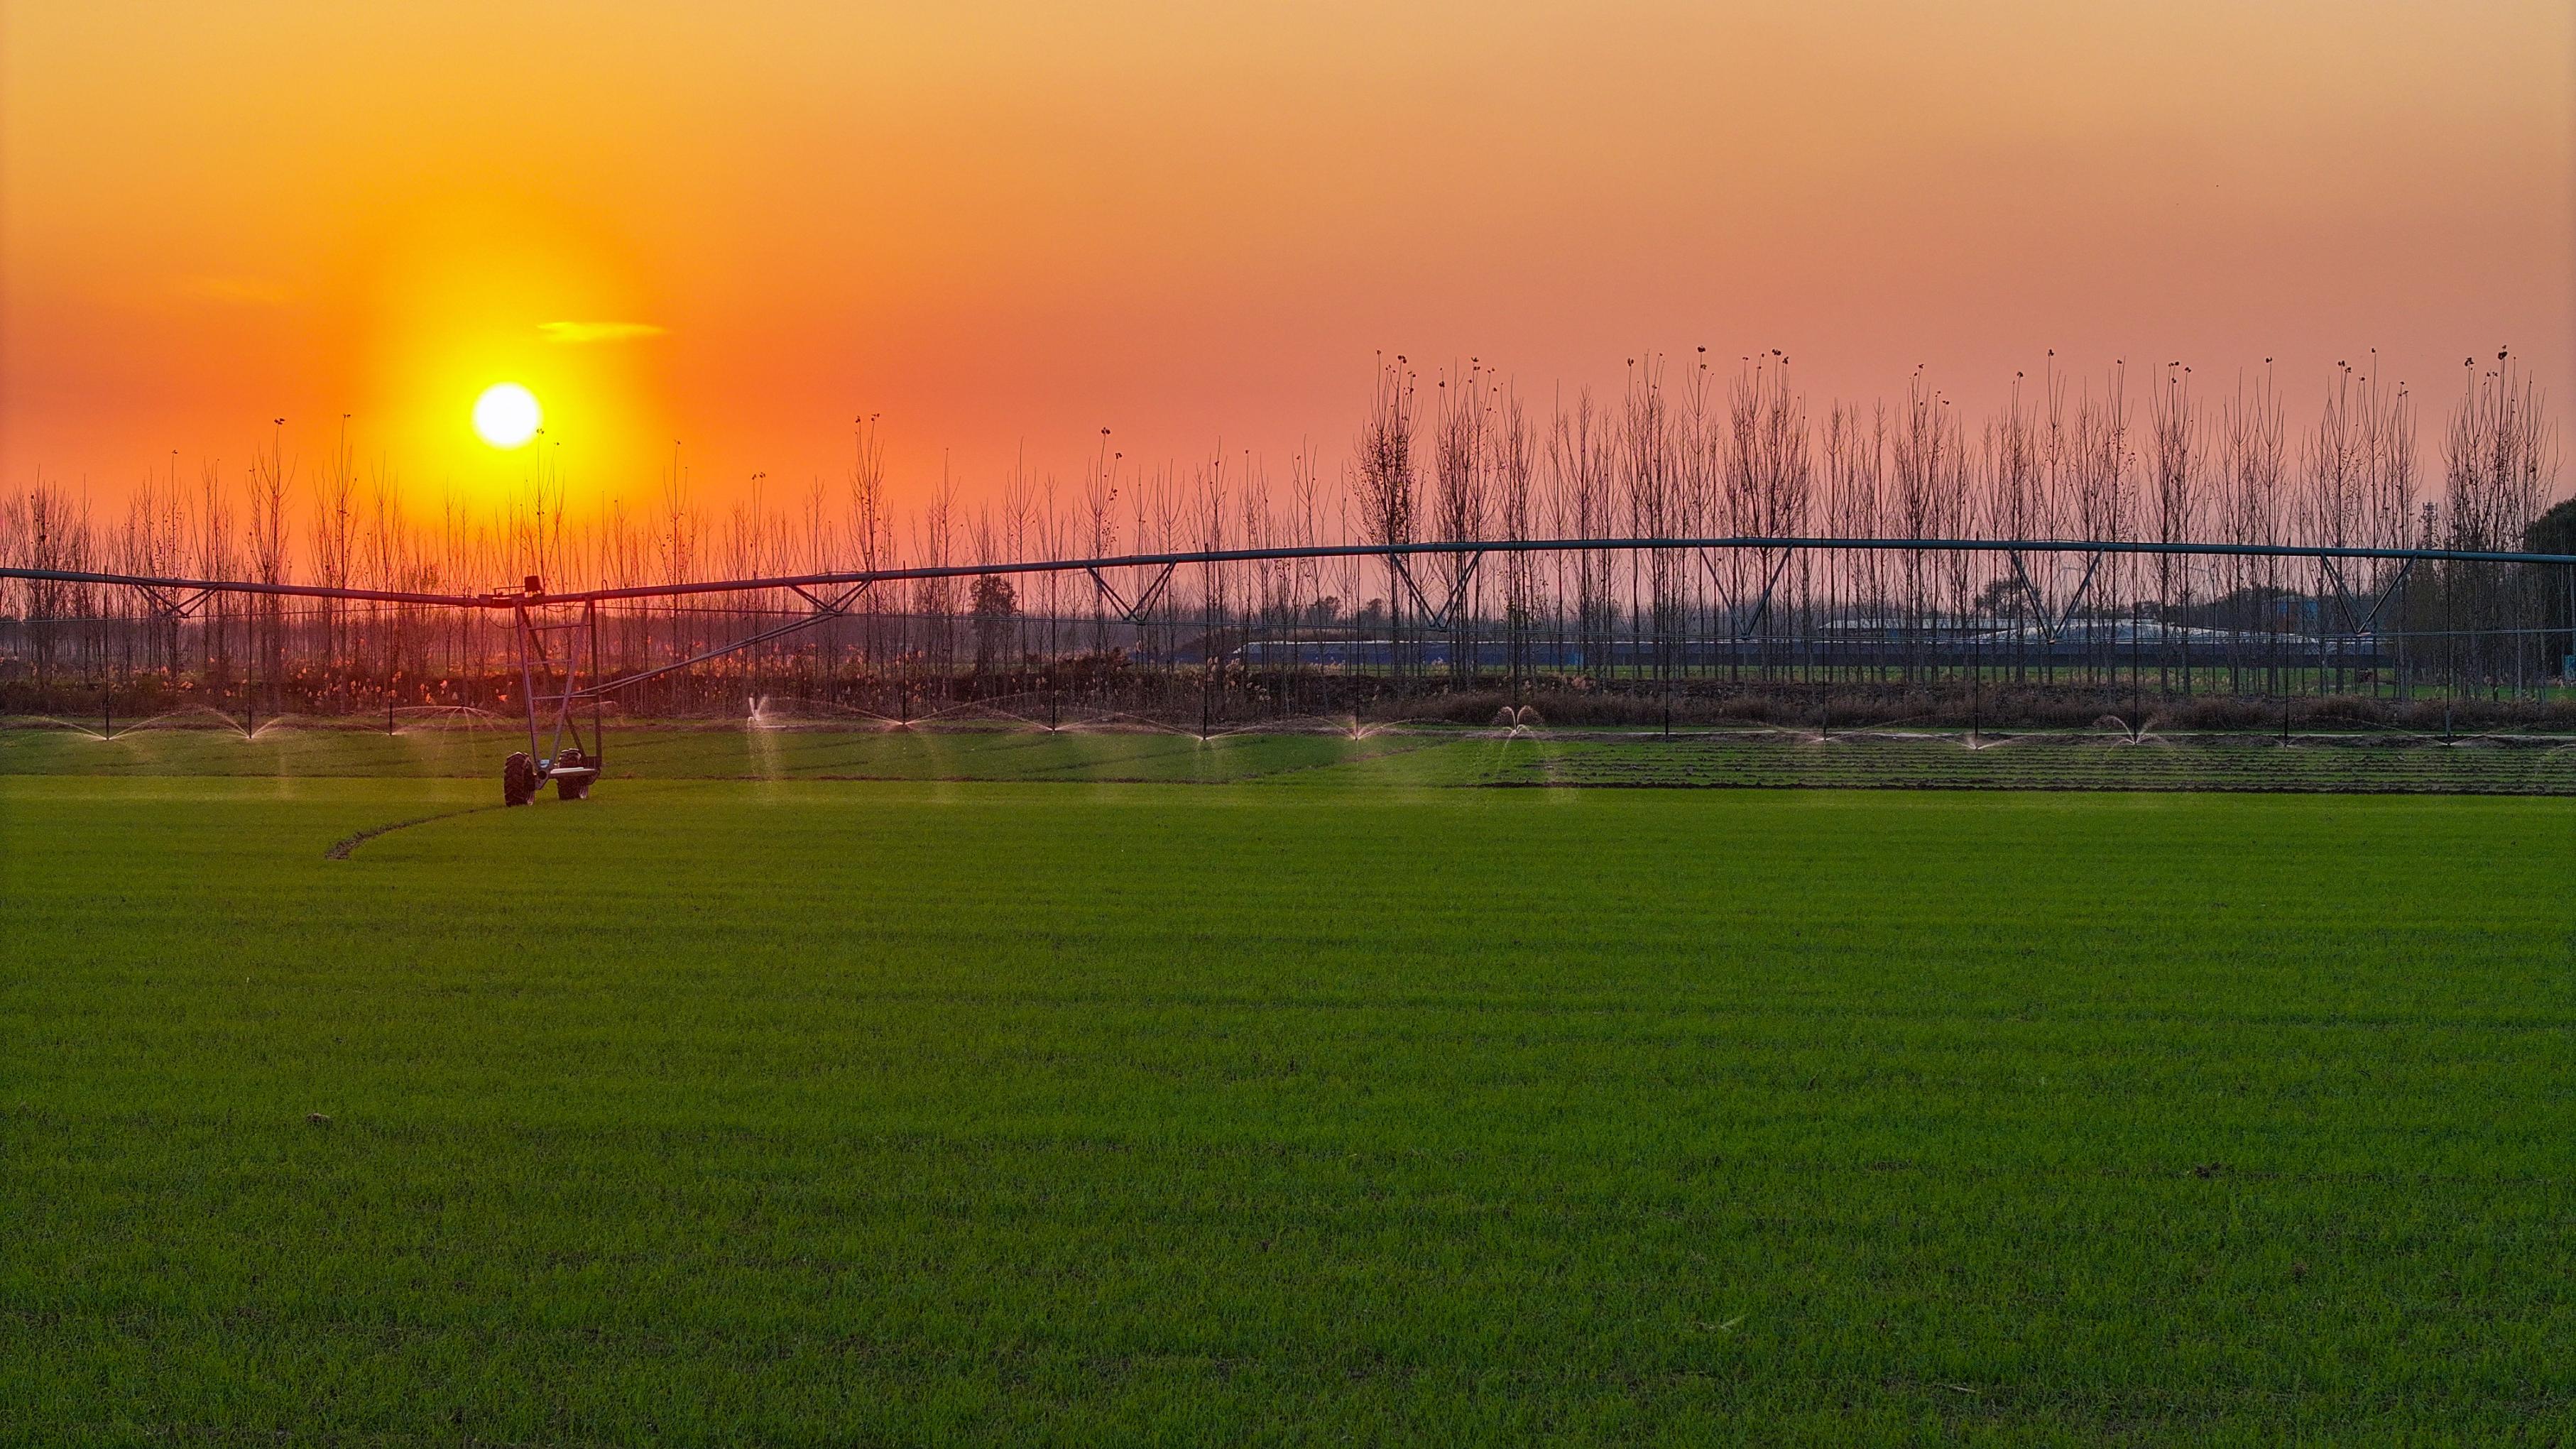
573, 777
518, 779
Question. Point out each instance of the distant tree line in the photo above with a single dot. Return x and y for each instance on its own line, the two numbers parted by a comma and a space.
1685, 449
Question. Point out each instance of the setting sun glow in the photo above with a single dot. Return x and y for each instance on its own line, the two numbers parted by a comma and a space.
1003, 228
506, 415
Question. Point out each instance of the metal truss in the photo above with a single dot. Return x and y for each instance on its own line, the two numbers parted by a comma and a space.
1164, 565
2364, 625
2052, 623
1137, 612
831, 595
1445, 615
1752, 620
557, 680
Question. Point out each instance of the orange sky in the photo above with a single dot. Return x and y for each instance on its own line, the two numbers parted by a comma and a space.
1005, 226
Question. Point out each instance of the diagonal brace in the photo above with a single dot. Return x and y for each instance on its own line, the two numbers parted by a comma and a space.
1762, 606
1441, 617
830, 608
2365, 625
171, 608
1133, 613
2051, 629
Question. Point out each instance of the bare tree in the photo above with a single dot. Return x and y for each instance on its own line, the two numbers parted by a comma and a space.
679, 543
1769, 480
933, 599
269, 482
2331, 500
871, 526
1514, 453
2499, 457
1100, 495
2104, 495
1386, 484
1582, 462
1925, 450
2253, 438
1460, 476
2499, 462
334, 541
2177, 466
1019, 527
1651, 484
1208, 519
2390, 463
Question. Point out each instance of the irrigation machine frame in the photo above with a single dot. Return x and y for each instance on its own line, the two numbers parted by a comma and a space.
557, 681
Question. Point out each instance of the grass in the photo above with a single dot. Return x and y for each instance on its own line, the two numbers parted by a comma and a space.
698, 753
806, 1111
2366, 764
2386, 763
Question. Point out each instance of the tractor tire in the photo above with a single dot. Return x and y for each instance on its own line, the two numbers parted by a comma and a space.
572, 787
518, 779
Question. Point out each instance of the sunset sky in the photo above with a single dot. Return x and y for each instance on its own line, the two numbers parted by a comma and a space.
1004, 227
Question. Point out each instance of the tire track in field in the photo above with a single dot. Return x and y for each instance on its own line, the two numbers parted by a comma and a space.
340, 850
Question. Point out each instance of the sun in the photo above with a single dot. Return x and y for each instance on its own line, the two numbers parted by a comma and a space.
507, 415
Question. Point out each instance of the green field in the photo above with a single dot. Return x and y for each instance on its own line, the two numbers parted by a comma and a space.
2106, 760
1327, 1106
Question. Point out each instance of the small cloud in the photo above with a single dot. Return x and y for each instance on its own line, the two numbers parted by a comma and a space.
576, 332
235, 291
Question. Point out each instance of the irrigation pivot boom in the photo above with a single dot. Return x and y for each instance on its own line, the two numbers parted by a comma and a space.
558, 635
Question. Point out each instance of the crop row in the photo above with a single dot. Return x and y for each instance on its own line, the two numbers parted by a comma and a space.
2430, 769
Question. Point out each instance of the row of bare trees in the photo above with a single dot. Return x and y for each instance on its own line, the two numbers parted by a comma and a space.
1685, 449
2062, 460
